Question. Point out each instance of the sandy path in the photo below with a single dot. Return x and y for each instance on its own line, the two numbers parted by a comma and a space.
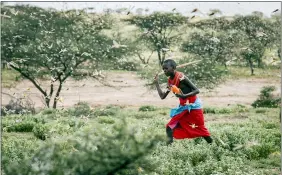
129, 90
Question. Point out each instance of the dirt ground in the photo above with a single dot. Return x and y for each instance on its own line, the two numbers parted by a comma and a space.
127, 89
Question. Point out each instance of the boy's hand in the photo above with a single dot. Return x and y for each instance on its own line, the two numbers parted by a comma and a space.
156, 79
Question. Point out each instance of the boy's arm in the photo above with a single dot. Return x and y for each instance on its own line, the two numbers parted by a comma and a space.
162, 94
190, 84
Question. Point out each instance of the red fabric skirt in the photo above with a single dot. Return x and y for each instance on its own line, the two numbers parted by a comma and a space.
189, 124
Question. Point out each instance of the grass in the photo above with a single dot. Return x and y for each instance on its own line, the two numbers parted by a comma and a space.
237, 72
9, 78
236, 155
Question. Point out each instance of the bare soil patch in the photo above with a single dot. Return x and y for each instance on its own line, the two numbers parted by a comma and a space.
127, 89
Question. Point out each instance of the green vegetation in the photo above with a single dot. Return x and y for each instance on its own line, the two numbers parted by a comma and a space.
236, 72
132, 141
45, 44
267, 99
9, 78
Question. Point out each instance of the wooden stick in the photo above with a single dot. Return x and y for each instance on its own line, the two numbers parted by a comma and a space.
183, 65
5, 16
179, 66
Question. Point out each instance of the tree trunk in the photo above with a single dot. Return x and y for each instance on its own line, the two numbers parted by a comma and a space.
163, 56
160, 57
3, 64
140, 58
47, 101
259, 63
147, 62
57, 95
48, 98
251, 66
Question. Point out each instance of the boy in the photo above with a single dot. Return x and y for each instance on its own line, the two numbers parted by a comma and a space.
187, 121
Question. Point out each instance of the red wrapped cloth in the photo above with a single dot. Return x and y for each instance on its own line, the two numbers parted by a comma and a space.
187, 124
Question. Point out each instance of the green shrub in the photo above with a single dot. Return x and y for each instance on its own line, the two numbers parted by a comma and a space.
107, 111
40, 131
212, 110
198, 157
21, 123
105, 120
143, 115
256, 152
21, 126
48, 111
80, 109
267, 99
73, 122
16, 147
241, 108
147, 108
95, 151
268, 125
163, 113
125, 65
103, 144
262, 111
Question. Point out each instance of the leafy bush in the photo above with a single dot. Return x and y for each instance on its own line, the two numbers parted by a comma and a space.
106, 120
48, 111
95, 151
241, 108
103, 145
147, 108
268, 125
212, 110
143, 115
76, 123
80, 109
21, 126
16, 147
126, 65
259, 151
107, 111
40, 131
261, 110
21, 123
267, 99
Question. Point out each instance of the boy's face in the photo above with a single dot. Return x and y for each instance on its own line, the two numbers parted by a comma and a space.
168, 69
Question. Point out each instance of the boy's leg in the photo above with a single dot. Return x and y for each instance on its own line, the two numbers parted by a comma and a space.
208, 139
169, 133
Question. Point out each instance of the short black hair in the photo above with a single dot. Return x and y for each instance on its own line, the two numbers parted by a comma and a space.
171, 62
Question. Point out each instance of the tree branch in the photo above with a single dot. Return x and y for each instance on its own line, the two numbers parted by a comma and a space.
29, 78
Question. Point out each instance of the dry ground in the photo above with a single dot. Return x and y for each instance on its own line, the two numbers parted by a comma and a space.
128, 90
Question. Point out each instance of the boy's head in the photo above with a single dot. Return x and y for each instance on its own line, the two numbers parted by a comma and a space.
169, 67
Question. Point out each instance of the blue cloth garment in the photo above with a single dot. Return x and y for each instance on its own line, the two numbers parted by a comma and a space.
196, 105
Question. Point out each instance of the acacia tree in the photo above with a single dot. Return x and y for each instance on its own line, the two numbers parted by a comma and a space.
249, 36
257, 34
214, 39
160, 29
141, 48
276, 26
218, 46
217, 24
212, 49
49, 44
